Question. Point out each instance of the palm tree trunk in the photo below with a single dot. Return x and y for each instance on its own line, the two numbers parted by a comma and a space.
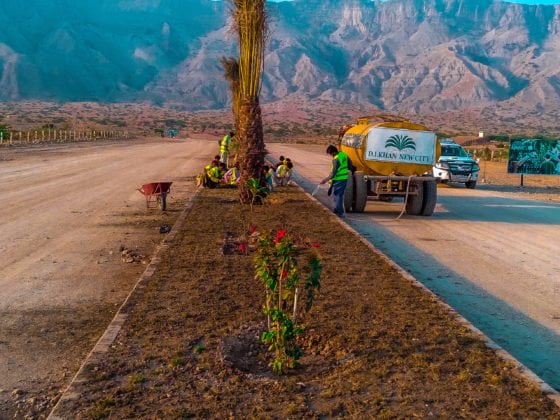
251, 145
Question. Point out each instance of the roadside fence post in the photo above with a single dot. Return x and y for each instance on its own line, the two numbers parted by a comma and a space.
28, 137
11, 135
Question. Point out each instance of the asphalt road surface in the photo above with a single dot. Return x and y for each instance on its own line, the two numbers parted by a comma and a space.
67, 211
494, 257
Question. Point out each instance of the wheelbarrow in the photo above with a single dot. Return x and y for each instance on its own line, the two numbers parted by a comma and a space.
156, 192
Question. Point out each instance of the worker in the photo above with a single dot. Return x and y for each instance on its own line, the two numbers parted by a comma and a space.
268, 176
232, 177
281, 161
338, 177
224, 147
284, 173
201, 178
214, 174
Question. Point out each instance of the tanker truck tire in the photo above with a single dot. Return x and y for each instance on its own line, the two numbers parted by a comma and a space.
430, 198
414, 202
349, 194
360, 193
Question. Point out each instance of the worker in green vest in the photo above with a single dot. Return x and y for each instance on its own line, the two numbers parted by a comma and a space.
224, 147
340, 171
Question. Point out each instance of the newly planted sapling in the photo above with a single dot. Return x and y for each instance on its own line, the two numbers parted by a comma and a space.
257, 190
276, 264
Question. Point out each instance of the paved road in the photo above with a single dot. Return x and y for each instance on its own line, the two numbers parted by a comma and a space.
66, 211
492, 256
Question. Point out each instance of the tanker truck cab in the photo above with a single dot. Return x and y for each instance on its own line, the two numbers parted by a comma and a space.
394, 158
456, 165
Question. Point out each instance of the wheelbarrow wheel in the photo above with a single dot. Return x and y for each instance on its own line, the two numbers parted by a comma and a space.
163, 201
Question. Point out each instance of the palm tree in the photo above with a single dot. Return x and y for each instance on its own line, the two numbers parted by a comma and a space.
231, 74
250, 24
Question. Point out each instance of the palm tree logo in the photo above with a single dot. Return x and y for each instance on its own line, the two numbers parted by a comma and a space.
400, 142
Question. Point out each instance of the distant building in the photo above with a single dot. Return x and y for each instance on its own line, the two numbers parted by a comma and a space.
480, 134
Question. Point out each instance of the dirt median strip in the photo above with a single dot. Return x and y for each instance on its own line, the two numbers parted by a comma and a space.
527, 373
376, 344
113, 329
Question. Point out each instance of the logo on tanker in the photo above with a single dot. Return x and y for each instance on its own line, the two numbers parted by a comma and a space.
400, 142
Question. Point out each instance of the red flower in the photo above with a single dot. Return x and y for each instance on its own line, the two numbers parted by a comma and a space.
279, 235
283, 274
243, 248
316, 245
252, 229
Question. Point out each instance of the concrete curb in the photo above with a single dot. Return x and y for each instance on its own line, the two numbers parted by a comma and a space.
104, 343
525, 372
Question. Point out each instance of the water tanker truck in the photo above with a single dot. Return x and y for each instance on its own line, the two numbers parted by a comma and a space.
394, 158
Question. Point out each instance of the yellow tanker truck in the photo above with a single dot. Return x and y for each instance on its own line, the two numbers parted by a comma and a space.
394, 158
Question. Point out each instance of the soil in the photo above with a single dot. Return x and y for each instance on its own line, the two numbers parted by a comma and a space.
75, 237
375, 344
491, 254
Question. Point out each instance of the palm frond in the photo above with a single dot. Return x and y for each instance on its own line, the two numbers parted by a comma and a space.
400, 142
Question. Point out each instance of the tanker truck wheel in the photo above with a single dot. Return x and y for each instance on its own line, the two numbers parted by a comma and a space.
414, 202
430, 198
349, 195
360, 193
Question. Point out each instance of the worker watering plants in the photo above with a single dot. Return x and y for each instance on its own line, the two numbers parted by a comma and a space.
338, 177
224, 147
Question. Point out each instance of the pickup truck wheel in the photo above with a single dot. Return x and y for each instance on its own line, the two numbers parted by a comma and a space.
414, 202
360, 193
430, 198
471, 184
349, 194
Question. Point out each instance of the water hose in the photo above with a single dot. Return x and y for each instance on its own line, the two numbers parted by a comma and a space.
405, 197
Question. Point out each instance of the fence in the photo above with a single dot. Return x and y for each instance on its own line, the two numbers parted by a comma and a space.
59, 136
499, 155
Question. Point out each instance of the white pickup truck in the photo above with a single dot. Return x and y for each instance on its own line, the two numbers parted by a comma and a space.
456, 165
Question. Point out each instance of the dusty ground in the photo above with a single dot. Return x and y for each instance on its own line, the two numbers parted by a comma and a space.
492, 254
376, 346
537, 187
68, 211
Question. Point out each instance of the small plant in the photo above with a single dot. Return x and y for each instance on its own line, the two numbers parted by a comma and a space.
257, 190
199, 348
277, 267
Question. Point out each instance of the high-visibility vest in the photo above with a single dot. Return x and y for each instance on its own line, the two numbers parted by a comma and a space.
234, 176
215, 174
282, 171
342, 171
224, 146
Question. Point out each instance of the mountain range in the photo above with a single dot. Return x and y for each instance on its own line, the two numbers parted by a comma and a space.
415, 56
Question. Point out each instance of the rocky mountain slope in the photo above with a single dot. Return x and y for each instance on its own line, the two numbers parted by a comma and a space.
415, 56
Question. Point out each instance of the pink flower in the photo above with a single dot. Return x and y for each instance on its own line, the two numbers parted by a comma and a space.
316, 245
243, 248
252, 229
